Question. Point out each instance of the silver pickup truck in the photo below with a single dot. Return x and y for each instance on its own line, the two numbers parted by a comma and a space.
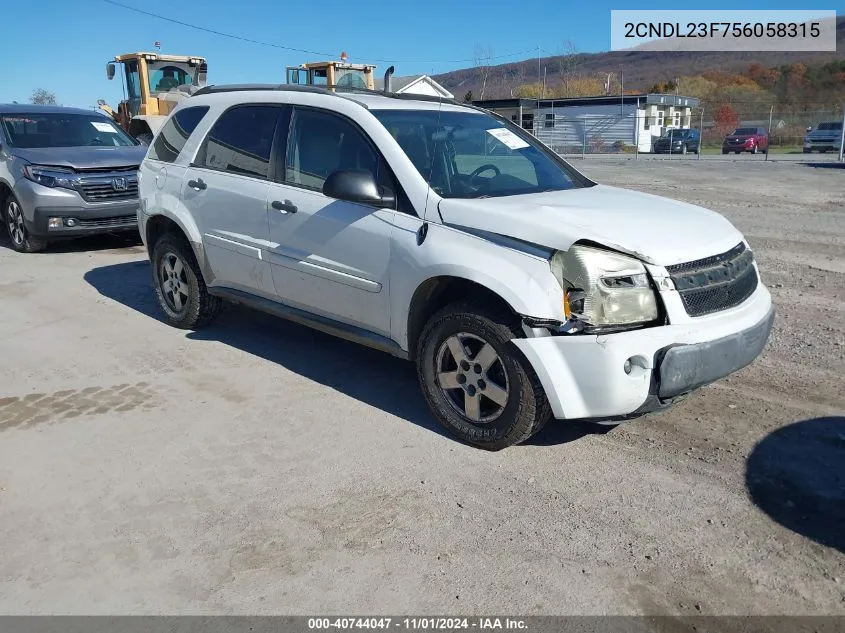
826, 136
65, 173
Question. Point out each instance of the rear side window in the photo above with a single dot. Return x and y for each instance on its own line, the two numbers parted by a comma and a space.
240, 141
175, 133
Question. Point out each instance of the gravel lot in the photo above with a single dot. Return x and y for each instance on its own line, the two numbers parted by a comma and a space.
259, 467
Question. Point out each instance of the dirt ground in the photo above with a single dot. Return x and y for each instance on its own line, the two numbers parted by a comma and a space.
260, 467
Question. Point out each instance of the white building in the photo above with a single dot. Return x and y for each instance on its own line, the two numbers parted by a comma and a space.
416, 84
593, 124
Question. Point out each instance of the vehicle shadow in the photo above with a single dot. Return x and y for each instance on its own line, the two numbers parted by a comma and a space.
369, 376
373, 377
106, 241
565, 431
796, 475
836, 165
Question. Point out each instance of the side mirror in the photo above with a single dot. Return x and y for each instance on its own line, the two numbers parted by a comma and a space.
358, 186
809, 128
110, 70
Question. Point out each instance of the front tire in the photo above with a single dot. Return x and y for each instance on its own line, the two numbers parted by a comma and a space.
179, 285
13, 218
477, 384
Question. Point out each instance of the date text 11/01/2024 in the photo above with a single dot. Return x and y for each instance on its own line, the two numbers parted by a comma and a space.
417, 623
722, 29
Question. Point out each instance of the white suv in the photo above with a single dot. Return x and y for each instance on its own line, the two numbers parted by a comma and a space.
443, 234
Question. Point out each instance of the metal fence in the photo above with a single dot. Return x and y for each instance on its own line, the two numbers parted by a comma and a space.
627, 132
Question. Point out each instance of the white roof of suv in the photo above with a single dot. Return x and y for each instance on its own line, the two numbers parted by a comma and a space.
285, 93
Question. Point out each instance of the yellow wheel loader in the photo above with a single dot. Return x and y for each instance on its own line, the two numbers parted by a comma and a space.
153, 84
333, 74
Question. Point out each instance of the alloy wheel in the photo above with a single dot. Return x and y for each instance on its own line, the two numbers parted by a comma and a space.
17, 231
173, 281
472, 377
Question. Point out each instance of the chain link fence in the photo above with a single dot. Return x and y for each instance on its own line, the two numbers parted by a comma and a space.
760, 130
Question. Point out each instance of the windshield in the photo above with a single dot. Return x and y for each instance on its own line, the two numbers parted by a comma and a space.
745, 131
28, 131
166, 76
836, 125
679, 134
473, 155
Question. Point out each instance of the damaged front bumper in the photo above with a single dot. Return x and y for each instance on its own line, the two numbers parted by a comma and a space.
625, 374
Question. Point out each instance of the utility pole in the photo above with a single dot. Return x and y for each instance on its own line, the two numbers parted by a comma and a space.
842, 136
637, 131
622, 92
769, 146
538, 64
700, 134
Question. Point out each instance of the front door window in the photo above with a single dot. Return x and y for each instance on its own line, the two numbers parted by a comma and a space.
133, 87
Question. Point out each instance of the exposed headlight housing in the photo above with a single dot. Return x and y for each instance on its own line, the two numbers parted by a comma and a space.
51, 176
604, 289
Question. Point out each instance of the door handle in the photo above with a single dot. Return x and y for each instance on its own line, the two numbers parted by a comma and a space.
197, 184
285, 207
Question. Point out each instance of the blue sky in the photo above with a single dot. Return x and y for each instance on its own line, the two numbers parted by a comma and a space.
63, 45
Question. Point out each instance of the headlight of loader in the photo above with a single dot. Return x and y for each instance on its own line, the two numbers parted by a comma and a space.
602, 288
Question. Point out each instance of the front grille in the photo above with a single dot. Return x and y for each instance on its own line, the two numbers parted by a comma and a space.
109, 186
104, 223
715, 283
105, 191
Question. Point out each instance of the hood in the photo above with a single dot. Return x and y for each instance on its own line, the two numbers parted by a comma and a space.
739, 137
654, 229
83, 157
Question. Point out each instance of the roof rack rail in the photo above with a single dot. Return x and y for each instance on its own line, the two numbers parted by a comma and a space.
214, 89
323, 90
335, 91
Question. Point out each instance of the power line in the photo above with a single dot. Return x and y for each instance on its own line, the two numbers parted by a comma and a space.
303, 50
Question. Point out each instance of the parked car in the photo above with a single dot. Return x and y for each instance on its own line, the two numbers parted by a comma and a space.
521, 289
747, 139
65, 172
677, 141
826, 136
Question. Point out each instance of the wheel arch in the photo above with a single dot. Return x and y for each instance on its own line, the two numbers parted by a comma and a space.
437, 292
5, 192
159, 225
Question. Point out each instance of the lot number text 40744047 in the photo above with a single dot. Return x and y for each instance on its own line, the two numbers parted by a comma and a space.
417, 623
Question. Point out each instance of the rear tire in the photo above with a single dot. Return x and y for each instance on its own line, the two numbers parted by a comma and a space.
477, 384
179, 285
13, 220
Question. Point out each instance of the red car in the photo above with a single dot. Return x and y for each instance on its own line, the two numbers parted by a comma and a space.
746, 139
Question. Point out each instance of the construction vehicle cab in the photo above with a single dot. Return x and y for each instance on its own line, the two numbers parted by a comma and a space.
333, 74
153, 84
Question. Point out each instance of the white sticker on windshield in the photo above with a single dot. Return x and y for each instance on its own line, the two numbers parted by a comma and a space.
507, 137
104, 127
